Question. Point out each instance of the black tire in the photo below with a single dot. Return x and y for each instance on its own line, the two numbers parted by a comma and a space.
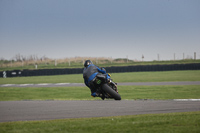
111, 92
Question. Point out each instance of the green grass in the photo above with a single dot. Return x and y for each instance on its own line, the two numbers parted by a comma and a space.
83, 93
44, 93
71, 78
160, 92
152, 123
192, 75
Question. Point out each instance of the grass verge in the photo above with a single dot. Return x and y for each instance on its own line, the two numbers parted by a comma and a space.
192, 75
83, 93
155, 123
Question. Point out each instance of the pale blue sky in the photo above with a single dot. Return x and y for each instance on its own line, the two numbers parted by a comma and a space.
100, 28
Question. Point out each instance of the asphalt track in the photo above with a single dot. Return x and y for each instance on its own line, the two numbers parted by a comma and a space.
48, 110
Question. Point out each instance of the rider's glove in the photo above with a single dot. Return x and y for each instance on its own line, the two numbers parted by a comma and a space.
109, 74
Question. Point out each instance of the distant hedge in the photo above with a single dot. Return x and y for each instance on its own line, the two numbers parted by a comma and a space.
139, 68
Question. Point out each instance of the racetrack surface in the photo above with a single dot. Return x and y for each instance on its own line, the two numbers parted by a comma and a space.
48, 110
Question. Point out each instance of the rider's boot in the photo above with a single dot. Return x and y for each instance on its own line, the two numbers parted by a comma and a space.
100, 95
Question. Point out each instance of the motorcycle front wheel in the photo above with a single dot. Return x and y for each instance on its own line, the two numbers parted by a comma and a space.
111, 92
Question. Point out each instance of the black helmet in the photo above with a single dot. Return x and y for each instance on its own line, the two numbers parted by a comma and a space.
87, 63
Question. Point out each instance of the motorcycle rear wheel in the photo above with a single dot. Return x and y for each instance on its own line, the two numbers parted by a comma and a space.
111, 92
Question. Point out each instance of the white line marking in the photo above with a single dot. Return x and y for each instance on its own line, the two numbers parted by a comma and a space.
62, 83
186, 99
43, 84
8, 85
25, 84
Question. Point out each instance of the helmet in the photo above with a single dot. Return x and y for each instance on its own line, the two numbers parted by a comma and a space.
87, 63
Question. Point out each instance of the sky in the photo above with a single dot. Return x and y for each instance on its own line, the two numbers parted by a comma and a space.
100, 28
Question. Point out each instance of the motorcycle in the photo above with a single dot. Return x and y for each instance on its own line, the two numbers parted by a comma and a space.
106, 87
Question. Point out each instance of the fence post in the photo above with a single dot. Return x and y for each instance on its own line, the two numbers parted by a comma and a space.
4, 74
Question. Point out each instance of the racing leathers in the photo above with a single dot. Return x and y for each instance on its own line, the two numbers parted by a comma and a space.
89, 73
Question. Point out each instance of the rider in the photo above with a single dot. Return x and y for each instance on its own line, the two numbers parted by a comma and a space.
89, 73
